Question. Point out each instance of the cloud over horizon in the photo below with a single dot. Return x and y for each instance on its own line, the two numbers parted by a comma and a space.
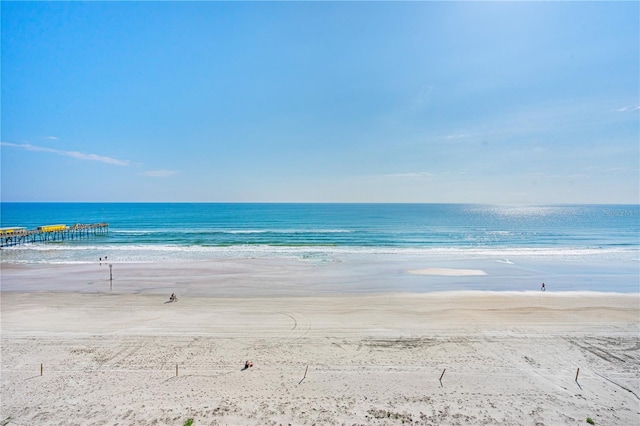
411, 175
73, 154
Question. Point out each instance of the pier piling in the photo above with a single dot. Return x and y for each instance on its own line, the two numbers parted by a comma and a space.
16, 236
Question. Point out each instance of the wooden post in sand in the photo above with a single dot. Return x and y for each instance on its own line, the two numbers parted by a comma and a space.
577, 372
110, 276
176, 370
41, 369
305, 375
442, 375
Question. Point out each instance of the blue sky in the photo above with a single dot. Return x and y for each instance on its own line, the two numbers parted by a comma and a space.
471, 102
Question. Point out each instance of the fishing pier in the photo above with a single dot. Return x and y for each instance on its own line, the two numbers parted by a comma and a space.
16, 235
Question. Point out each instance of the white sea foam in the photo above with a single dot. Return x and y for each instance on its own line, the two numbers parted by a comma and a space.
230, 231
58, 253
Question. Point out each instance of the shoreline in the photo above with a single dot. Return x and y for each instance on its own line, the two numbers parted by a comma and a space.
295, 277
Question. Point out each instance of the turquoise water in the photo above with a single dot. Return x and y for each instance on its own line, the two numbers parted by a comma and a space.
585, 241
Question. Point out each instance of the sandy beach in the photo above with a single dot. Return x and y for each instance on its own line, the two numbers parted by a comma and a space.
128, 357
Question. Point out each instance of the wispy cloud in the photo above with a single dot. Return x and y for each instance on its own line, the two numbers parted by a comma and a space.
159, 173
456, 136
410, 175
631, 108
73, 154
423, 175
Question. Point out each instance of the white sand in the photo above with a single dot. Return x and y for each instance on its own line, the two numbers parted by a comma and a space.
510, 358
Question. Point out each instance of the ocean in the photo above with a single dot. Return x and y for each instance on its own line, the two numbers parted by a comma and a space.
595, 247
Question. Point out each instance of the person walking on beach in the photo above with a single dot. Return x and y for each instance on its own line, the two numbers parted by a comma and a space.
543, 288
